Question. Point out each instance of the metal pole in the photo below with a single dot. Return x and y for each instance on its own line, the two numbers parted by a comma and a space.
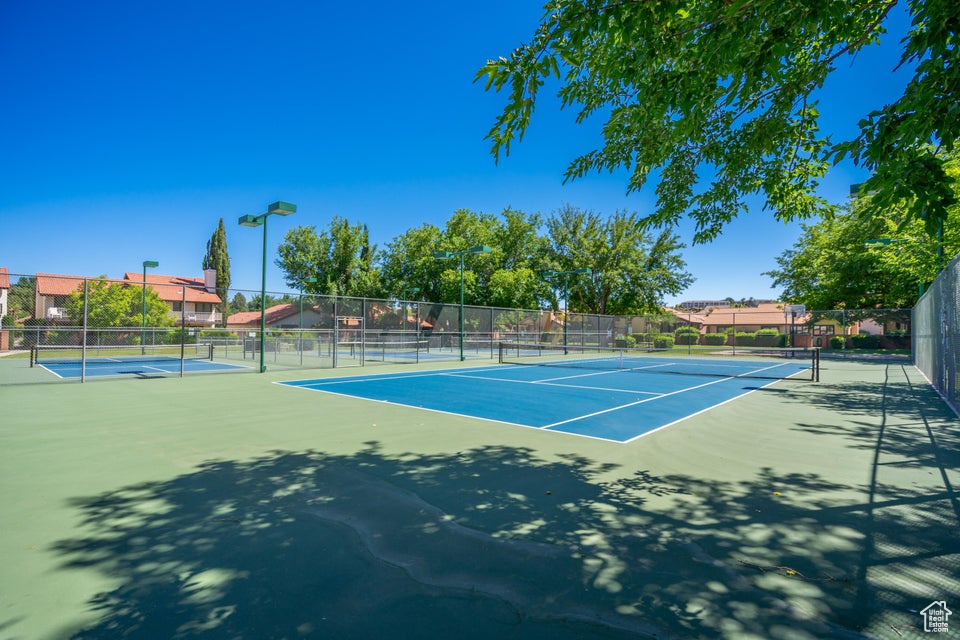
83, 337
263, 296
183, 325
143, 317
566, 312
461, 307
336, 331
300, 330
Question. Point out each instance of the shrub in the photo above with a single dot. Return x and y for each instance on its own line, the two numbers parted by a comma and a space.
769, 338
715, 339
687, 335
630, 342
645, 337
744, 339
865, 341
837, 342
663, 342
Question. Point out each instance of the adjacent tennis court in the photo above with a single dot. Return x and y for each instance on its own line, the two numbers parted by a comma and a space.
616, 395
98, 361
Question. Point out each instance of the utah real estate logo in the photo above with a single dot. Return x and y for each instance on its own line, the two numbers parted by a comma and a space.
935, 617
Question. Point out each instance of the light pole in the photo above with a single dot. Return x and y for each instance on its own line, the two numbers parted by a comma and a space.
153, 264
446, 255
566, 302
279, 209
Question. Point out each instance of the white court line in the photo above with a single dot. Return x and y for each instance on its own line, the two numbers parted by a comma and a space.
376, 377
632, 404
43, 366
556, 384
704, 410
449, 413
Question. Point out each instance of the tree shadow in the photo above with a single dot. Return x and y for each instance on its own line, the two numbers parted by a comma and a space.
488, 542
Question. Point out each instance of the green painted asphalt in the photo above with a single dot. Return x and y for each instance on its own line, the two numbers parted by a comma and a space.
224, 506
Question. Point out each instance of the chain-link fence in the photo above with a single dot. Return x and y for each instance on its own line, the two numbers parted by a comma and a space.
936, 321
58, 328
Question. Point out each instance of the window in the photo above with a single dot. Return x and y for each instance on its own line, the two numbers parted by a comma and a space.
204, 307
176, 306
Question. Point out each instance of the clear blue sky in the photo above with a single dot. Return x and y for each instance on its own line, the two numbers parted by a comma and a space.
130, 128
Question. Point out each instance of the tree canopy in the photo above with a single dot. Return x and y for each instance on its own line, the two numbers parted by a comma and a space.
341, 259
864, 259
720, 98
117, 304
632, 270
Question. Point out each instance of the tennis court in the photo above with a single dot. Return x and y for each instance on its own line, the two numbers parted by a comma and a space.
236, 507
616, 395
99, 361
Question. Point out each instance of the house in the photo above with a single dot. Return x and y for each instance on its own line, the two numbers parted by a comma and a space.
50, 292
4, 307
281, 316
4, 290
700, 305
192, 301
189, 300
806, 330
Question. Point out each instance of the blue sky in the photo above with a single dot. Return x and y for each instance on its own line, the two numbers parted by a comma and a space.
130, 128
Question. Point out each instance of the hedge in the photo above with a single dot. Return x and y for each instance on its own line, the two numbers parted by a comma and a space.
744, 339
715, 339
687, 335
663, 342
865, 341
769, 338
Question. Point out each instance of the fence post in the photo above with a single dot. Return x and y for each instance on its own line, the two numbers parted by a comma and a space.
83, 336
183, 327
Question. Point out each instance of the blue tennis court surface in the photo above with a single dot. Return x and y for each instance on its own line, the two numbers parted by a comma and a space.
618, 405
126, 367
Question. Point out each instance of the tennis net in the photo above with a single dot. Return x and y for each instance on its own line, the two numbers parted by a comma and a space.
397, 350
118, 354
796, 363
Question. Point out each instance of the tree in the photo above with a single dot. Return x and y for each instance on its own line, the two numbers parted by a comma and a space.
839, 263
719, 97
20, 300
272, 301
116, 304
632, 271
238, 303
341, 260
517, 253
217, 258
408, 262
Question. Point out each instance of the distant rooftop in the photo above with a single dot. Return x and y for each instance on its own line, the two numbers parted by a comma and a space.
699, 305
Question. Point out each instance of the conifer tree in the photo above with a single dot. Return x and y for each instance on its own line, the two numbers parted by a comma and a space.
218, 258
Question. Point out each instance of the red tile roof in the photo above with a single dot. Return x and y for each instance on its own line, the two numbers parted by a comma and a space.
169, 287
273, 314
51, 284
